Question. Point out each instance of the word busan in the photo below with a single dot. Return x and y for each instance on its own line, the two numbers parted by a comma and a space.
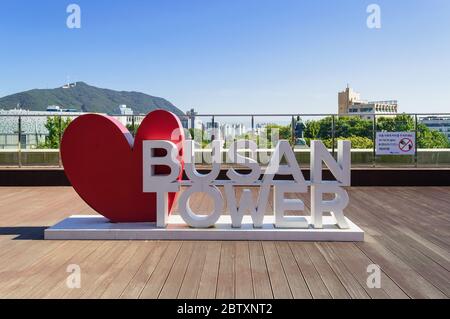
282, 162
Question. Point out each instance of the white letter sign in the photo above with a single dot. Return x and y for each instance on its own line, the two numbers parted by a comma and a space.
282, 162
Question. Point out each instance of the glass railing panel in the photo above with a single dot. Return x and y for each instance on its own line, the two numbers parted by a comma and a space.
433, 140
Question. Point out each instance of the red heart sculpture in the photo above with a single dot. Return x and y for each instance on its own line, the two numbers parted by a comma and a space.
105, 166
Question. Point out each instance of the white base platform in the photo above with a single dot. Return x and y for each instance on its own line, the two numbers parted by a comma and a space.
92, 227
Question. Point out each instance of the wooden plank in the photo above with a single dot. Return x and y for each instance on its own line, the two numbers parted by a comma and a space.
313, 280
243, 272
94, 268
403, 275
346, 277
111, 274
117, 286
158, 277
23, 251
357, 262
426, 267
226, 279
410, 251
426, 247
14, 264
208, 280
334, 285
57, 277
278, 280
191, 281
139, 280
260, 275
295, 279
381, 222
60, 288
177, 273
43, 268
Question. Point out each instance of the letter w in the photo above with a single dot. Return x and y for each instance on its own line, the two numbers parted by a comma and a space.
246, 204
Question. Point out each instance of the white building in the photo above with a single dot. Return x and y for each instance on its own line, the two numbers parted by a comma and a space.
239, 129
32, 126
54, 108
213, 131
232, 130
126, 115
69, 85
350, 102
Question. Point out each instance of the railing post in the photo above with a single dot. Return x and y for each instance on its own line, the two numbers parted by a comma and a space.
293, 131
417, 140
59, 140
374, 140
213, 129
333, 134
253, 124
19, 146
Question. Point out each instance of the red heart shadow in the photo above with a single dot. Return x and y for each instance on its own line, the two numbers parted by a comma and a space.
105, 166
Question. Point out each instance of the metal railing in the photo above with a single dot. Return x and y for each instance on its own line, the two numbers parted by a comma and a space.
21, 130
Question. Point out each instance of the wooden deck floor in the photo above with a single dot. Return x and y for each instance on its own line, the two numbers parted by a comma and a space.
407, 235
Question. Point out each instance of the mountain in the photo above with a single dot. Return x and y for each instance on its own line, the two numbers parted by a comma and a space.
83, 97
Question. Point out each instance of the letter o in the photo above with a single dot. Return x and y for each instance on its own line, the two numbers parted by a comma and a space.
200, 221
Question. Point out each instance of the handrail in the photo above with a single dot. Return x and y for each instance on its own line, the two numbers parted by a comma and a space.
234, 114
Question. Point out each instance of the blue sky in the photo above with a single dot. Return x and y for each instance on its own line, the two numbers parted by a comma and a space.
224, 56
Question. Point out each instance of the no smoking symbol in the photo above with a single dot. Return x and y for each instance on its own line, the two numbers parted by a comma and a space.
406, 145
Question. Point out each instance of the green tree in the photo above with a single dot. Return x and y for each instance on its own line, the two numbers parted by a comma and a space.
399, 123
346, 126
56, 126
320, 129
312, 129
353, 126
427, 138
284, 132
132, 129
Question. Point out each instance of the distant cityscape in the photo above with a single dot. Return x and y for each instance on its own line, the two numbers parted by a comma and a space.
33, 129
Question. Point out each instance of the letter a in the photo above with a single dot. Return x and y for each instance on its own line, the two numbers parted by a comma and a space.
74, 19
374, 19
